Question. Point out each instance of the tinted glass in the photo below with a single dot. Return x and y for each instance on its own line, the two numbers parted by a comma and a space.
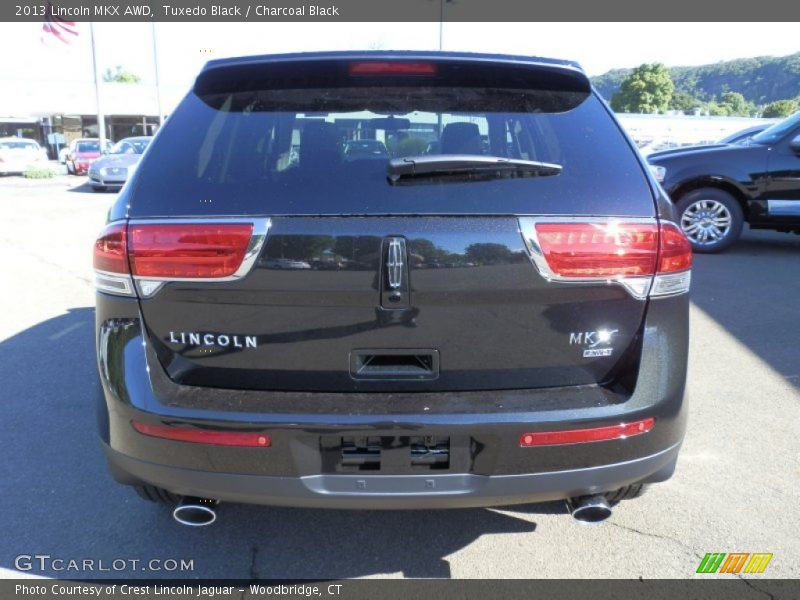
130, 146
777, 131
88, 147
19, 146
267, 153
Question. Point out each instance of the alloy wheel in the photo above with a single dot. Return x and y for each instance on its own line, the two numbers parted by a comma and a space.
706, 222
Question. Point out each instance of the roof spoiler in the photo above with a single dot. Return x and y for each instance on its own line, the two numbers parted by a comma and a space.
413, 70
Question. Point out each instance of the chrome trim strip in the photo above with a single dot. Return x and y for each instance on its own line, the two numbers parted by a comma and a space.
666, 285
637, 287
113, 283
783, 208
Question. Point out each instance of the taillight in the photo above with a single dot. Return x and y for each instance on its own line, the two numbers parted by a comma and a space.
674, 262
592, 434
632, 253
675, 251
204, 436
159, 252
110, 261
188, 251
374, 67
110, 250
599, 249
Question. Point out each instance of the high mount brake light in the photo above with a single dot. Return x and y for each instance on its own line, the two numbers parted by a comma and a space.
374, 67
632, 253
156, 252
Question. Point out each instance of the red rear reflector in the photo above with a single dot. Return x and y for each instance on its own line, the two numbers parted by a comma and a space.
675, 250
599, 249
203, 436
188, 250
392, 68
578, 436
110, 252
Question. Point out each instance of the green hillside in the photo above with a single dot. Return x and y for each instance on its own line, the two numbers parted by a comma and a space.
760, 80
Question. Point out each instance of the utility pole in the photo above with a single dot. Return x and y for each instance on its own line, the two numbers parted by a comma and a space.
101, 122
441, 32
158, 83
441, 23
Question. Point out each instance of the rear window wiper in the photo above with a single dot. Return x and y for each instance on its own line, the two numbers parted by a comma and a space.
463, 167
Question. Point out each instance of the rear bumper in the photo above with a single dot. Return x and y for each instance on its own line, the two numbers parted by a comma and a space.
79, 168
11, 168
303, 465
397, 491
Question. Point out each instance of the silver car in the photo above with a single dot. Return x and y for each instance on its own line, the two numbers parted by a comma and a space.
113, 169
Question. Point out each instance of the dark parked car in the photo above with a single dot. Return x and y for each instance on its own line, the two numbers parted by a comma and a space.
716, 189
496, 323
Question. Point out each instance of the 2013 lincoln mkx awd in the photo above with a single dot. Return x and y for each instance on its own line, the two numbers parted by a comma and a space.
491, 310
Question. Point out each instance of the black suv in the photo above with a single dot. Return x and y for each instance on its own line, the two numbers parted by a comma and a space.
717, 188
494, 313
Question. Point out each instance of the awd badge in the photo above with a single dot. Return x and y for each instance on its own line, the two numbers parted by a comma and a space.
595, 343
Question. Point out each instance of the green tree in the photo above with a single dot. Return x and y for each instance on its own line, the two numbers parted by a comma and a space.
736, 105
119, 75
780, 109
762, 79
488, 253
686, 103
648, 89
717, 110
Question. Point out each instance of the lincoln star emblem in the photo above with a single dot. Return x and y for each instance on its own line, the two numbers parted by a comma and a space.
394, 263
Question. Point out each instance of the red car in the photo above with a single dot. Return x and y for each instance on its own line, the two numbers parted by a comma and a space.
82, 153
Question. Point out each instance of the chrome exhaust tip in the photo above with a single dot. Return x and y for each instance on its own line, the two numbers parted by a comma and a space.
195, 512
589, 510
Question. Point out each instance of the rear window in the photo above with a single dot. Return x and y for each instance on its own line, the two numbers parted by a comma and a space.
30, 146
88, 147
130, 146
326, 151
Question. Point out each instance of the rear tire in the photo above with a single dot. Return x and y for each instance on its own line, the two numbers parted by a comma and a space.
626, 493
711, 218
152, 493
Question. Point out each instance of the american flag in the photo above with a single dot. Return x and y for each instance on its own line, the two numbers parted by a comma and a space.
55, 28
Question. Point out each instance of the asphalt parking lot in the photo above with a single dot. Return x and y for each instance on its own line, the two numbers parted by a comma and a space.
735, 490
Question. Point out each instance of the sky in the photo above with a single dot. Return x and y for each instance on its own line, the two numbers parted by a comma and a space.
184, 47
